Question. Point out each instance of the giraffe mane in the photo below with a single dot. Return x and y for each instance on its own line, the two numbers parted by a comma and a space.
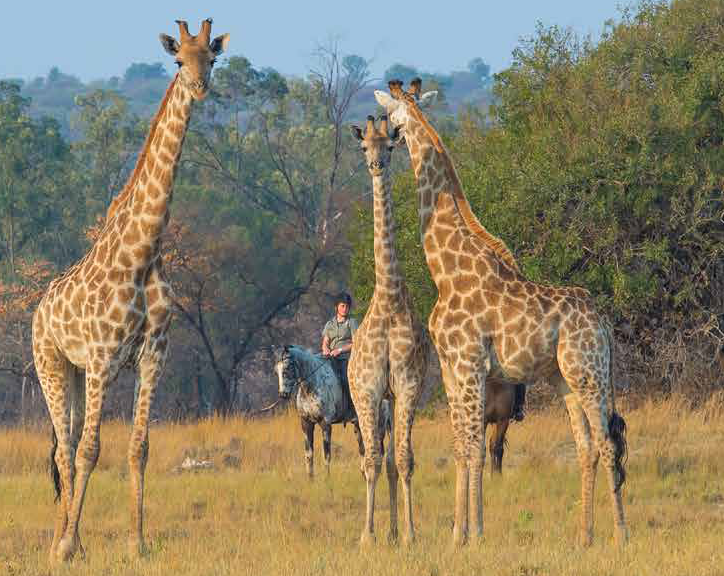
461, 202
128, 188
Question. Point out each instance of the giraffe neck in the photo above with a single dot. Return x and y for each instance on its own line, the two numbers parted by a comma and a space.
140, 212
442, 201
388, 276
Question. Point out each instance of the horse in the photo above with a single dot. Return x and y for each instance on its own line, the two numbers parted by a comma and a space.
499, 408
320, 399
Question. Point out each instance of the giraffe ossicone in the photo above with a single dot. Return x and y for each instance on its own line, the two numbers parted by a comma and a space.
491, 323
389, 350
114, 307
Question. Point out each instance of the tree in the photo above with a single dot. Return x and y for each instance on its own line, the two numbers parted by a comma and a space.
110, 139
33, 163
479, 68
268, 171
139, 71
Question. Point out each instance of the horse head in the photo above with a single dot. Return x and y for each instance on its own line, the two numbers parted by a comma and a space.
286, 370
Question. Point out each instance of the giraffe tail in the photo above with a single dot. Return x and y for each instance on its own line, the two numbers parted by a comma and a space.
54, 472
616, 424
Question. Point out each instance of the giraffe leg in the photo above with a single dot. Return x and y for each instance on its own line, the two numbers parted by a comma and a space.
367, 405
458, 419
149, 369
327, 445
98, 374
54, 374
598, 420
392, 476
308, 429
475, 390
588, 460
403, 418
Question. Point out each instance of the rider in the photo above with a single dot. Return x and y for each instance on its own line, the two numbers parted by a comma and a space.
337, 339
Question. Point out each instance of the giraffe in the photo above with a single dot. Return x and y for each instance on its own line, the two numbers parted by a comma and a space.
113, 306
389, 350
491, 323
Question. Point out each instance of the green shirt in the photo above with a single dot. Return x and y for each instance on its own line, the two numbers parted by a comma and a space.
340, 333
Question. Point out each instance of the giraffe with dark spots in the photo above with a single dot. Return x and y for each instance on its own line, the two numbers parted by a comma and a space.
562, 338
390, 350
96, 316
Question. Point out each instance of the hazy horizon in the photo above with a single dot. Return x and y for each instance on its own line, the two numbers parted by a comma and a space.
93, 40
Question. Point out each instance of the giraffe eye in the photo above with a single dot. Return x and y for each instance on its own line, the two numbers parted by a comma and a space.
213, 61
390, 148
364, 148
179, 64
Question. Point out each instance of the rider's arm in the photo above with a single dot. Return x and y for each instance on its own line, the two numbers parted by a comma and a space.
325, 345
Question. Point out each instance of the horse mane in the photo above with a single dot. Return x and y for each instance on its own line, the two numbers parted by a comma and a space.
126, 191
461, 202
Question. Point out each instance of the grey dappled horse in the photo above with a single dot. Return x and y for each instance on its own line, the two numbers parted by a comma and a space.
320, 399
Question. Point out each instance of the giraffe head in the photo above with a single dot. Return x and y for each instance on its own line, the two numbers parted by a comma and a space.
377, 144
195, 55
399, 103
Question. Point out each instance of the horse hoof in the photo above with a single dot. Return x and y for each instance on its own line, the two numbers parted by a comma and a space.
137, 549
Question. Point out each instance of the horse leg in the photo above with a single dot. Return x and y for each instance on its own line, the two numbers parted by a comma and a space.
497, 446
361, 447
308, 429
327, 444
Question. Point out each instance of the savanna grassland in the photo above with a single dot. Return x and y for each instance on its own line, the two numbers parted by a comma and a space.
256, 512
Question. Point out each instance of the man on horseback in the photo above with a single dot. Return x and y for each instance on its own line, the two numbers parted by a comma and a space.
337, 339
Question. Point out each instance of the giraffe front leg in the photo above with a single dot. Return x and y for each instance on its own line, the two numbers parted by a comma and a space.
405, 459
149, 369
460, 452
367, 411
392, 475
475, 393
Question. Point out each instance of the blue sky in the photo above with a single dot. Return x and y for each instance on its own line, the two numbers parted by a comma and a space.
99, 39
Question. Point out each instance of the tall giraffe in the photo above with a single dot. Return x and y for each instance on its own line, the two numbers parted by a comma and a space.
113, 306
491, 323
389, 350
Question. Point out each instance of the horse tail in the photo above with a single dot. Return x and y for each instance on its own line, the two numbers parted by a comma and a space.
616, 423
54, 472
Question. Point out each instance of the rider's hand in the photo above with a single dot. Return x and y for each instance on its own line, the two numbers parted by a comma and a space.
325, 352
336, 352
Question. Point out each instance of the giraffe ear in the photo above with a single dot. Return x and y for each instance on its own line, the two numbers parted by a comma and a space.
356, 132
169, 44
218, 45
427, 99
386, 101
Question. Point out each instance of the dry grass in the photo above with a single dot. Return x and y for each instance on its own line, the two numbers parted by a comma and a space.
257, 513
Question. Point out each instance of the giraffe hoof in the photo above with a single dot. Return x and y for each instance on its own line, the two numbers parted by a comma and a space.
66, 549
392, 537
585, 539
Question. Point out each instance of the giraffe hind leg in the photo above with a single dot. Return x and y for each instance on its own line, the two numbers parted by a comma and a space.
588, 461
611, 445
54, 374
